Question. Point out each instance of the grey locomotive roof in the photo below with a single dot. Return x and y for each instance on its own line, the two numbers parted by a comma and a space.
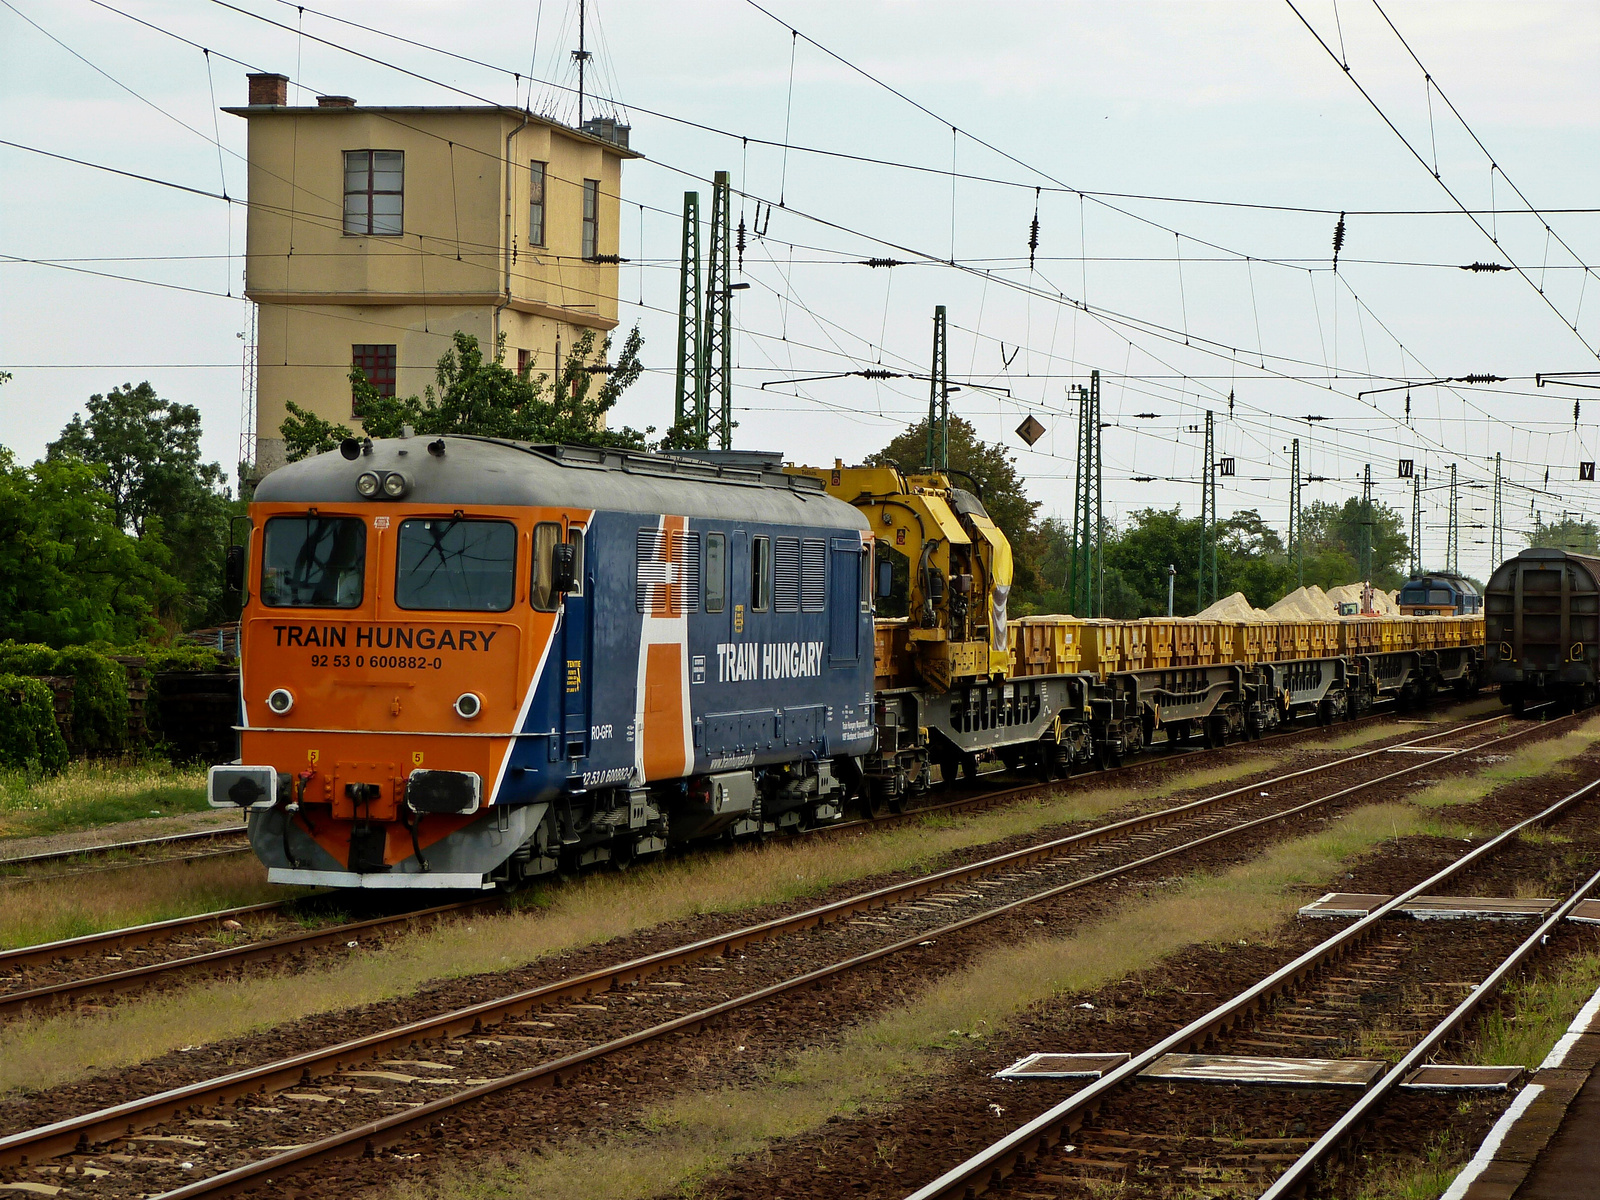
476, 470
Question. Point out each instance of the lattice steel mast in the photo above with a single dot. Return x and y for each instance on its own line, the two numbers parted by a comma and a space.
689, 397
1364, 540
1416, 524
1085, 584
1294, 515
1208, 521
938, 453
717, 359
1497, 534
1452, 549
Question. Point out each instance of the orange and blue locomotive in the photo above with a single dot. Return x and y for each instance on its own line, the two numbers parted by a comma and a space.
466, 662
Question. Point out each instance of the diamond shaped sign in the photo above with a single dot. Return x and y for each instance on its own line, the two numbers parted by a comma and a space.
1030, 430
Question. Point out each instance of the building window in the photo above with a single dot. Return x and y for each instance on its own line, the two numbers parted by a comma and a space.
377, 364
536, 204
373, 191
591, 217
524, 361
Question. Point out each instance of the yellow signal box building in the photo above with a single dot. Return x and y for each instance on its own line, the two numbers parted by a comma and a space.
376, 233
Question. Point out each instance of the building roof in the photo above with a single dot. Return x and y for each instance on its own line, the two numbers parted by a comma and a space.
317, 110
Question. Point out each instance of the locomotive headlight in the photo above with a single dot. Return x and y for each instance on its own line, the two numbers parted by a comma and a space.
468, 705
367, 484
395, 485
280, 701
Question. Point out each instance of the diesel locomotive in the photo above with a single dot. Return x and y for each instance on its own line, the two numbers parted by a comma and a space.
1440, 594
465, 661
468, 662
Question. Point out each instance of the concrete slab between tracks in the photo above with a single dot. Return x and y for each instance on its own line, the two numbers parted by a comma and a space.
1546, 1146
1268, 1072
1434, 908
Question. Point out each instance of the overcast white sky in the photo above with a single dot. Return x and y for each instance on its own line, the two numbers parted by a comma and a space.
1232, 102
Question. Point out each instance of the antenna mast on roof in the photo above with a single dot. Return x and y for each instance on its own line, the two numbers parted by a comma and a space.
581, 56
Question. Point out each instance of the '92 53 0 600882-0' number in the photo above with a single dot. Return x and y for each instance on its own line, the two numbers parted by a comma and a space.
410, 662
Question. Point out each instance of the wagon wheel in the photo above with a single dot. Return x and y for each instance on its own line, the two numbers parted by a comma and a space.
875, 801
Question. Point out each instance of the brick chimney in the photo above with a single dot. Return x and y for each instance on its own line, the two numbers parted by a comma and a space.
336, 101
268, 90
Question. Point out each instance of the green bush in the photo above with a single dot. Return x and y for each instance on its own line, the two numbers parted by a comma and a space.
186, 657
99, 699
100, 684
30, 740
26, 658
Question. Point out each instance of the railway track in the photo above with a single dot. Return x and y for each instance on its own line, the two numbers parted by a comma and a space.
143, 852
1058, 1140
24, 995
148, 851
487, 1047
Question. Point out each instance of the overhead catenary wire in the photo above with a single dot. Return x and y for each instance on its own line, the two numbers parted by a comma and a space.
1263, 356
1377, 108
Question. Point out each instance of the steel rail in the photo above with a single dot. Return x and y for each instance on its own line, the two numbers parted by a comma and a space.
129, 935
993, 1164
139, 934
367, 1138
73, 990
81, 1131
202, 835
1295, 1179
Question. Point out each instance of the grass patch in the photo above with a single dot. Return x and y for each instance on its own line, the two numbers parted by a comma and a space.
1540, 1008
1363, 737
1541, 758
92, 793
1421, 1177
1544, 837
70, 907
43, 1052
693, 1136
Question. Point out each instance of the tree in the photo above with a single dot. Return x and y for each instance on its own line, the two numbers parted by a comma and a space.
160, 489
472, 394
990, 472
1332, 537
69, 571
1578, 536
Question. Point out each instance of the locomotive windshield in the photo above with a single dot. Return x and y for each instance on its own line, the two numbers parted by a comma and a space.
456, 565
313, 562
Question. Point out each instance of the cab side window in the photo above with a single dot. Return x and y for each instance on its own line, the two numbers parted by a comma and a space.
716, 572
575, 540
541, 592
760, 574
